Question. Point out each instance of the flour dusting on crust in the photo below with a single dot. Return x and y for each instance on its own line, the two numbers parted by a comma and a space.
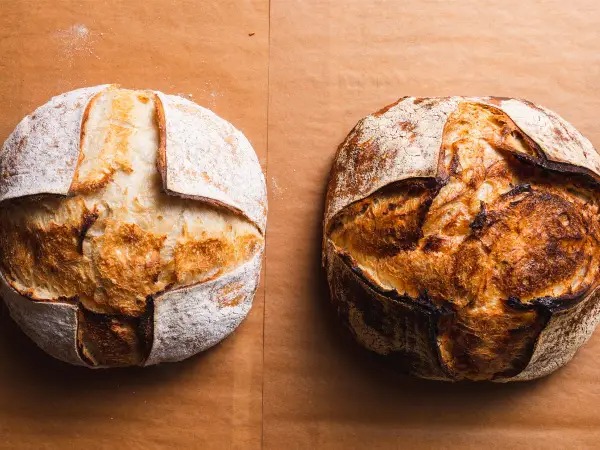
52, 326
191, 320
207, 157
40, 156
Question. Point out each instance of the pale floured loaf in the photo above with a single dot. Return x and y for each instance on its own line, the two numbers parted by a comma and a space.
462, 237
131, 227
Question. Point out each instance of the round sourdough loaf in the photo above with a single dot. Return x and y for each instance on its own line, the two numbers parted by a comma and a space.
131, 227
461, 237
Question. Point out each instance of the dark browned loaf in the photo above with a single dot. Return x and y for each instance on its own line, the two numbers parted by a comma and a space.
462, 237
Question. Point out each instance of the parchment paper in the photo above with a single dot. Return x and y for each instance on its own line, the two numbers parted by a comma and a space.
331, 64
215, 53
318, 66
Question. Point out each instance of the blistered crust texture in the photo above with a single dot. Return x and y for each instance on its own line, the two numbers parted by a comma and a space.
490, 239
107, 269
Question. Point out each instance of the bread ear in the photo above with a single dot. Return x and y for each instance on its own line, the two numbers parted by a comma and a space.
566, 331
192, 319
204, 157
399, 142
390, 326
562, 146
41, 155
52, 326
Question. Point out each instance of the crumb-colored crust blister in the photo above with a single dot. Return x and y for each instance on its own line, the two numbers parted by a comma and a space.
140, 252
462, 207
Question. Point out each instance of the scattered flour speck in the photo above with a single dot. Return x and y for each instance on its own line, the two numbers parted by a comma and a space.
277, 190
213, 98
74, 41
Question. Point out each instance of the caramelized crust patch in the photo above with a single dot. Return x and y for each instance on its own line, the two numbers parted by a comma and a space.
42, 257
398, 224
199, 260
128, 264
495, 235
537, 243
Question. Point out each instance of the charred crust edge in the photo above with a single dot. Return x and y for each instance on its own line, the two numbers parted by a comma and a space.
549, 304
540, 158
432, 314
89, 218
423, 301
480, 219
519, 189
143, 325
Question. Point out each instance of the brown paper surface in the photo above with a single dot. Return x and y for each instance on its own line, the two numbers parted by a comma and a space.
205, 52
331, 64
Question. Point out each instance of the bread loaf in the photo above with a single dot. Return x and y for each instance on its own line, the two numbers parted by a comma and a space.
131, 227
462, 237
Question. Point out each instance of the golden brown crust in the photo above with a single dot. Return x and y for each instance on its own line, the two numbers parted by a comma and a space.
491, 240
199, 260
161, 125
128, 266
43, 259
398, 225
